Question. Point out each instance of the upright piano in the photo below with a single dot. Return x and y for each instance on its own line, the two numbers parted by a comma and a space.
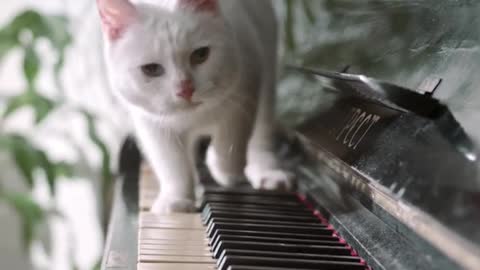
387, 166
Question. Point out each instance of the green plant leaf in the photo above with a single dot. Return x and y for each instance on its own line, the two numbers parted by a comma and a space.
31, 66
28, 158
40, 104
53, 170
57, 69
93, 135
52, 27
25, 156
107, 177
58, 33
25, 29
30, 213
15, 103
7, 42
63, 169
43, 106
28, 20
60, 38
49, 169
5, 142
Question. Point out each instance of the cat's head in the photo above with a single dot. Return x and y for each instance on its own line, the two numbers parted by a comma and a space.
169, 57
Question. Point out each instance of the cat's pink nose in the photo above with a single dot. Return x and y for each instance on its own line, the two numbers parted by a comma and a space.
186, 90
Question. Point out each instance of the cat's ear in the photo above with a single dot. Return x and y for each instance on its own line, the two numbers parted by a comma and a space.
200, 5
116, 16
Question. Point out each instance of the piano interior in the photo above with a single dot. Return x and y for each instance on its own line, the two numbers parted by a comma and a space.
387, 168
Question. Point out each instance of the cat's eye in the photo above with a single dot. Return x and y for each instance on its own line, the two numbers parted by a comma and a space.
152, 70
199, 56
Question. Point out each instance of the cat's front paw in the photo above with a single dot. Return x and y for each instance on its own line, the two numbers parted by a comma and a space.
222, 176
270, 179
166, 205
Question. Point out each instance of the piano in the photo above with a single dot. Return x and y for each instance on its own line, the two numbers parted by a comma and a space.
388, 172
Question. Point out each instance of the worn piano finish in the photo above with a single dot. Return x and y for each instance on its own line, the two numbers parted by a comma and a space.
416, 168
389, 157
413, 170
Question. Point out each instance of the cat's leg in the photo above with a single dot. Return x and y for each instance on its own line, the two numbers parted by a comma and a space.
263, 167
167, 154
193, 146
226, 155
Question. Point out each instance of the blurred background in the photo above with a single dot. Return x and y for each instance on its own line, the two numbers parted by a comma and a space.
61, 129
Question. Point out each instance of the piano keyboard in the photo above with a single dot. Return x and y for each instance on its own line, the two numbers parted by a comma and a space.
240, 230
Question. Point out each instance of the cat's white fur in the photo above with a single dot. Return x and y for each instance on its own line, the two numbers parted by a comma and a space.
235, 87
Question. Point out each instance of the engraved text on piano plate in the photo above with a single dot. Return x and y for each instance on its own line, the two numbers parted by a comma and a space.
357, 127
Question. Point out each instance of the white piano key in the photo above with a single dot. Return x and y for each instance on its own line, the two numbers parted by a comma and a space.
176, 252
174, 216
173, 247
148, 225
175, 266
189, 221
174, 241
175, 259
172, 234
201, 243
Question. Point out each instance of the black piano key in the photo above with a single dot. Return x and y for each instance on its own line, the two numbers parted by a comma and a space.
209, 213
271, 207
253, 231
265, 221
263, 193
285, 255
277, 235
252, 196
251, 200
247, 267
312, 230
271, 217
275, 240
249, 215
259, 196
317, 249
295, 212
292, 211
227, 261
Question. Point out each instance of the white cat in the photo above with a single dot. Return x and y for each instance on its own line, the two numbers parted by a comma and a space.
190, 67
